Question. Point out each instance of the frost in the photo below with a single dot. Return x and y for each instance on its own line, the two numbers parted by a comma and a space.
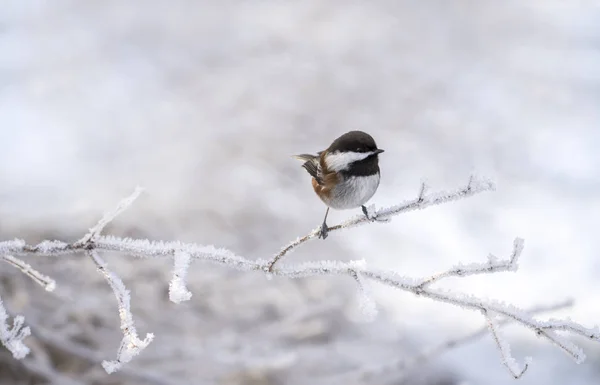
428, 354
109, 216
145, 248
12, 337
48, 283
424, 199
8, 247
178, 291
131, 345
48, 247
507, 359
366, 303
358, 264
493, 265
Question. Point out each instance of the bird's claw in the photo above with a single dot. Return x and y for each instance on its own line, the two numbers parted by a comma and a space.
323, 232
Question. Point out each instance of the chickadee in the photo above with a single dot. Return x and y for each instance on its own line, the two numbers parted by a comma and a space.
346, 174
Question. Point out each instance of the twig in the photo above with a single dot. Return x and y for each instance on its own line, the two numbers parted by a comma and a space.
46, 282
12, 337
492, 266
131, 345
365, 302
507, 359
108, 217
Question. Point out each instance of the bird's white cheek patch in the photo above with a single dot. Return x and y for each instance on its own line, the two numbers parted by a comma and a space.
339, 161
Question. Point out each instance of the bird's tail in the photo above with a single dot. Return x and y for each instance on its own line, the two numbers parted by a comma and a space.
311, 164
306, 157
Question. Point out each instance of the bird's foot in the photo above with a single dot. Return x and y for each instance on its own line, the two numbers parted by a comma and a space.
324, 231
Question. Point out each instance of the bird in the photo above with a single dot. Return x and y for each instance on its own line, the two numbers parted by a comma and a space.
345, 175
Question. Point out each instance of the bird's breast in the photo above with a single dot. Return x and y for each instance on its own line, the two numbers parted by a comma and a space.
352, 192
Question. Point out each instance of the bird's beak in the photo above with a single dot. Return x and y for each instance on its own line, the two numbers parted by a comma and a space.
378, 151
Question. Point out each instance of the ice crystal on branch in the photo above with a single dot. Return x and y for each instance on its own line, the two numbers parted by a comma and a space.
12, 337
178, 292
367, 305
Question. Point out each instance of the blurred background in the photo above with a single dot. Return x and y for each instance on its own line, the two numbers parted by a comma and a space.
203, 102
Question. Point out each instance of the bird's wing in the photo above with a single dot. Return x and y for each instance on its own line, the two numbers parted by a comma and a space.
311, 164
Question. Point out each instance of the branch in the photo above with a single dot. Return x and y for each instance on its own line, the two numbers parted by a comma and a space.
491, 266
507, 359
422, 201
183, 253
429, 354
365, 302
108, 217
12, 337
46, 282
131, 345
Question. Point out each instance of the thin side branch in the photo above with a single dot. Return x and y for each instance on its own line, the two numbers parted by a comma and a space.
367, 305
491, 266
12, 336
131, 345
43, 280
507, 359
108, 217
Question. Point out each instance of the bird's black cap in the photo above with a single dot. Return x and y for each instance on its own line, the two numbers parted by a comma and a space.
356, 141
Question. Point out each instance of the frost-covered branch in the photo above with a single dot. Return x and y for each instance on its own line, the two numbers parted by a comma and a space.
43, 280
406, 363
491, 266
108, 217
422, 201
131, 345
507, 359
12, 337
365, 302
184, 253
